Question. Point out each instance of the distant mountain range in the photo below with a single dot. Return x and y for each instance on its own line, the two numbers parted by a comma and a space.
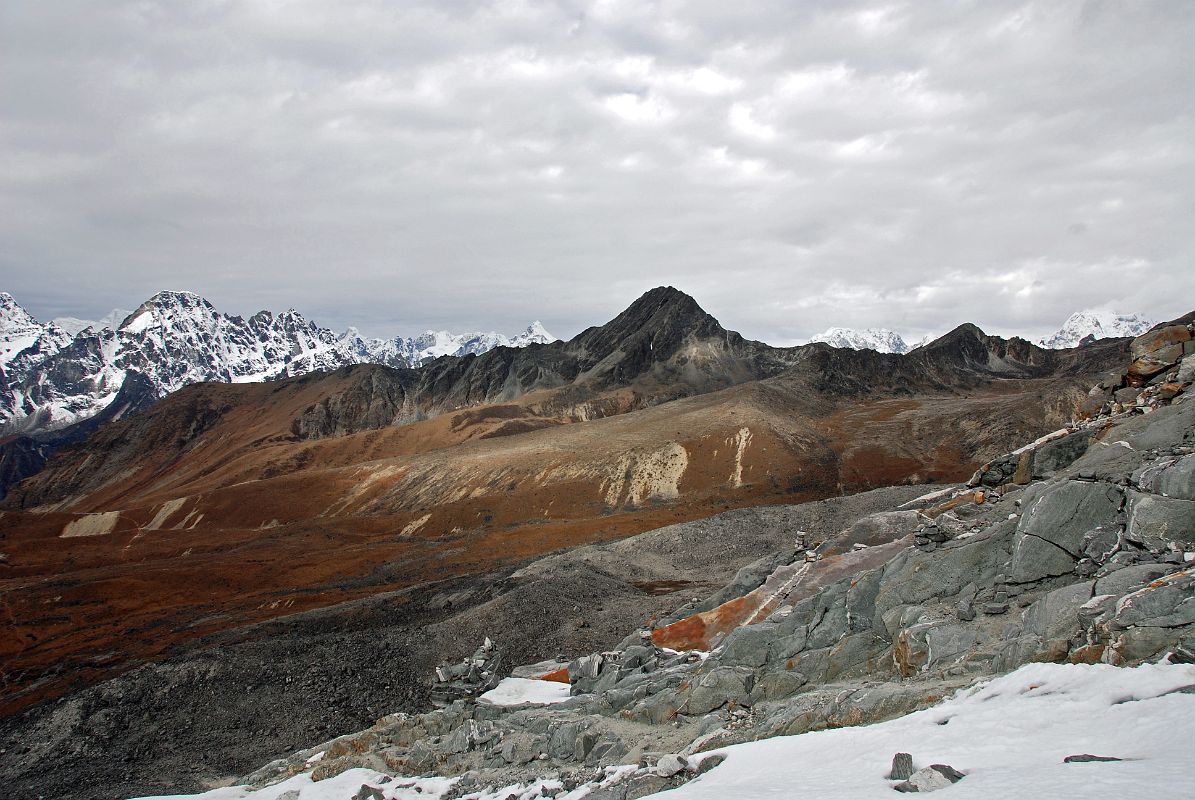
881, 340
1080, 328
57, 373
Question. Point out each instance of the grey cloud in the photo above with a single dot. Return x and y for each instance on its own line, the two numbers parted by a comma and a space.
477, 165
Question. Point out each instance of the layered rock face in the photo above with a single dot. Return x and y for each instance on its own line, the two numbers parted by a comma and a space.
1092, 561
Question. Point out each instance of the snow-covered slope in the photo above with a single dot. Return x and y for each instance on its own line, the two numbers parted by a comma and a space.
23, 340
1009, 737
52, 378
1096, 324
881, 340
25, 343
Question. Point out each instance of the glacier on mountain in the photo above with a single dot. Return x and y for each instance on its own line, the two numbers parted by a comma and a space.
430, 345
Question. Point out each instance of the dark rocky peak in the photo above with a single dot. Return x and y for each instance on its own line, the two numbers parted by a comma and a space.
660, 321
962, 336
967, 346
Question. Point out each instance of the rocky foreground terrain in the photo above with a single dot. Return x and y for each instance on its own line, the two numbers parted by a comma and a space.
1076, 548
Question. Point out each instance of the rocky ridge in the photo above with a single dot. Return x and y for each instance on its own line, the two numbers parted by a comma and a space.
1083, 553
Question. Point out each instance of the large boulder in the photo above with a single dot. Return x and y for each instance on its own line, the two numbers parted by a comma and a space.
1157, 350
1055, 617
748, 645
718, 687
1156, 521
1171, 477
931, 644
1166, 603
1059, 453
1051, 530
915, 576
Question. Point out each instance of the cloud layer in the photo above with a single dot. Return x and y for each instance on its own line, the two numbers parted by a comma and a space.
474, 165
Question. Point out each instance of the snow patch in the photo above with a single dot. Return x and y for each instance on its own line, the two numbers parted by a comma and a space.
515, 691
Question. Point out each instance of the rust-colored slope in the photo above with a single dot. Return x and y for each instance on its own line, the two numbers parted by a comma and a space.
242, 522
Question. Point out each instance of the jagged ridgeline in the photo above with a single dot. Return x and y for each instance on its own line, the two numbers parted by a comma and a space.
310, 549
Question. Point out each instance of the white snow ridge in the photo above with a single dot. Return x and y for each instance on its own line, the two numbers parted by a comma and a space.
881, 340
1098, 324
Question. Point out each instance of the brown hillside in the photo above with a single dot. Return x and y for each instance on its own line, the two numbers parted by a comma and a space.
224, 505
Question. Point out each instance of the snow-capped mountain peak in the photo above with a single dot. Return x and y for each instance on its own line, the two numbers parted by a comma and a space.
1096, 323
881, 340
535, 333
23, 340
14, 319
52, 375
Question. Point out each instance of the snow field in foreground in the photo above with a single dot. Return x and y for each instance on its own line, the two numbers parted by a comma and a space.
1009, 735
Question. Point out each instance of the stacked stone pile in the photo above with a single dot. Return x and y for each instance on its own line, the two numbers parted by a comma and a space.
468, 679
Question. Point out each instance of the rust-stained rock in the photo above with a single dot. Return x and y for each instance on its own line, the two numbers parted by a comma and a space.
559, 676
1024, 471
1169, 391
787, 584
953, 503
1157, 350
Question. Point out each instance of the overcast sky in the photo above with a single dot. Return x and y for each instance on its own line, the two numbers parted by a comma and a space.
466, 165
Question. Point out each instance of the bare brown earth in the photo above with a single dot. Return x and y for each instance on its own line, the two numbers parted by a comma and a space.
226, 518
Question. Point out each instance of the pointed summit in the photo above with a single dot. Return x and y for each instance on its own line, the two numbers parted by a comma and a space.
662, 319
535, 333
13, 314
